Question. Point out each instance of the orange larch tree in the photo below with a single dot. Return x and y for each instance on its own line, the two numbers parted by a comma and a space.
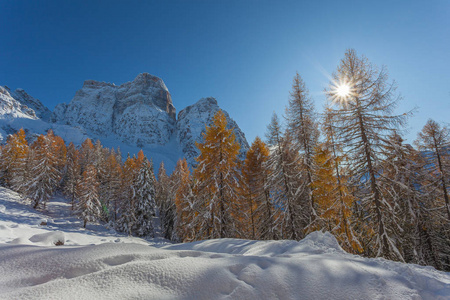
182, 182
217, 176
14, 161
334, 199
258, 206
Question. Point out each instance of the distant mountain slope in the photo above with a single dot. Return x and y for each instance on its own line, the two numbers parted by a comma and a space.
11, 108
41, 111
134, 115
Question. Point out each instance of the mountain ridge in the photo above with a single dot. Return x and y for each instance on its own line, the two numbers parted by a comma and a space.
136, 114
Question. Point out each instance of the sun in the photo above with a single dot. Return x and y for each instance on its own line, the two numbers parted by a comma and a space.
341, 93
343, 90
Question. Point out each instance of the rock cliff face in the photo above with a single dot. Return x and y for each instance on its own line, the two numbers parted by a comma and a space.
138, 112
134, 115
191, 125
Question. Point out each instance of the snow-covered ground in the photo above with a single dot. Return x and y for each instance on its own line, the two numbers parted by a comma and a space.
97, 263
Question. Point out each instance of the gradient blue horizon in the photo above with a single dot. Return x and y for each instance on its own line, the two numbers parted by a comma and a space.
243, 53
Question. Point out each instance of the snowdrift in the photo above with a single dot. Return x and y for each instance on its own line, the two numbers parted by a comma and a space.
100, 264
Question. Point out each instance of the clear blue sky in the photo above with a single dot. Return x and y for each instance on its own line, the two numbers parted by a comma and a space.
244, 53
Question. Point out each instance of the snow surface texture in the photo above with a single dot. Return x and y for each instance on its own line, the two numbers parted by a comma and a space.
97, 263
135, 115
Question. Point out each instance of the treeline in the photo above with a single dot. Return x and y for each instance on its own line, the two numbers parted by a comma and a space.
346, 171
99, 186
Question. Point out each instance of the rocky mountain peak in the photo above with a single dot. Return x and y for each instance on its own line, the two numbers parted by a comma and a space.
191, 124
31, 106
138, 112
96, 84
147, 89
145, 80
202, 104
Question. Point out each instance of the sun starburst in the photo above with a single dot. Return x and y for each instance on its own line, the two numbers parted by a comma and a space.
342, 92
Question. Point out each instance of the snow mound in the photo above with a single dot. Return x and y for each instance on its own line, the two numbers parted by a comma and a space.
127, 270
315, 243
49, 238
323, 240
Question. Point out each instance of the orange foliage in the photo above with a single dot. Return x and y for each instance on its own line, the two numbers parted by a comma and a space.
217, 177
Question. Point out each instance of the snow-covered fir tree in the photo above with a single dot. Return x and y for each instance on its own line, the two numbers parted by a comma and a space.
144, 187
88, 206
45, 176
405, 180
181, 181
167, 209
110, 185
303, 130
127, 219
283, 180
434, 141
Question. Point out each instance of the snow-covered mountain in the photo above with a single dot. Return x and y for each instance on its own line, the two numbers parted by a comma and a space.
11, 108
41, 111
138, 112
134, 115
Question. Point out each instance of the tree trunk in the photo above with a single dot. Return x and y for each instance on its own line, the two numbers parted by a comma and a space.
444, 187
373, 186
